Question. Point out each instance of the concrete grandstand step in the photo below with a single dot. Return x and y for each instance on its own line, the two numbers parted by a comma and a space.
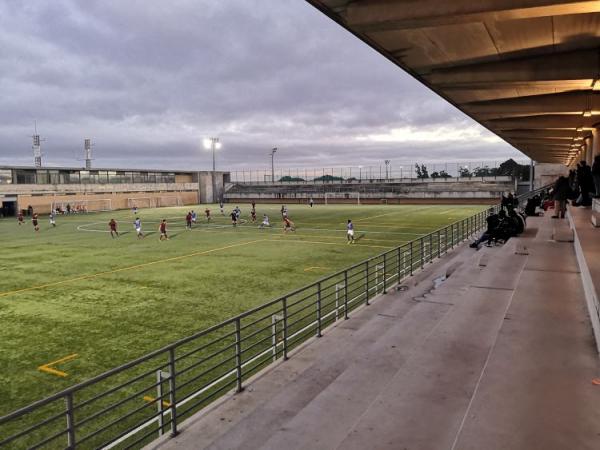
536, 391
349, 397
561, 232
424, 403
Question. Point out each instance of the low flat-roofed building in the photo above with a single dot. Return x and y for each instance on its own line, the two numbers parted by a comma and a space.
43, 188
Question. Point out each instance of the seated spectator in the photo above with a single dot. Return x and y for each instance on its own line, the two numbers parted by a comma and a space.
492, 224
518, 222
532, 204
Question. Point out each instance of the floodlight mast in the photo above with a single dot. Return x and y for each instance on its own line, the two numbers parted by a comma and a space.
212, 143
273, 150
87, 146
37, 147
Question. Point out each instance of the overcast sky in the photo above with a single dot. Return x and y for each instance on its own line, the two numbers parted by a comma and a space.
148, 79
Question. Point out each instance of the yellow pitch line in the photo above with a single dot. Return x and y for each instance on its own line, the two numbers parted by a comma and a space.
51, 370
123, 269
150, 399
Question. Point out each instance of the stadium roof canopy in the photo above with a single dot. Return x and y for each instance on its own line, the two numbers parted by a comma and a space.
528, 70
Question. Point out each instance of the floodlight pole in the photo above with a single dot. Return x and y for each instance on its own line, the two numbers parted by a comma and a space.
212, 143
387, 166
273, 150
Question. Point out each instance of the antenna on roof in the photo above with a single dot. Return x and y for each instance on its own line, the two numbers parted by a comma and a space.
87, 146
37, 146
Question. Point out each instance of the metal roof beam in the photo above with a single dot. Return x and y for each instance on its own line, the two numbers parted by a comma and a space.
557, 121
575, 102
385, 15
580, 66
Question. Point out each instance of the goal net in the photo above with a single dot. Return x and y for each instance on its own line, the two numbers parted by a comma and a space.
140, 202
83, 206
173, 200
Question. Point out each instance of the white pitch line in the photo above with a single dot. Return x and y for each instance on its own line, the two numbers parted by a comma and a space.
80, 228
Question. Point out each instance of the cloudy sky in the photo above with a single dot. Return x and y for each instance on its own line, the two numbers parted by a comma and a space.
148, 79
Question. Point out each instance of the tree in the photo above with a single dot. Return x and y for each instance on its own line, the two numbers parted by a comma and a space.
329, 178
421, 171
485, 171
464, 172
289, 179
440, 174
512, 168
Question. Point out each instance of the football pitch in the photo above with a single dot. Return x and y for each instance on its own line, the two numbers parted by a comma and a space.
75, 302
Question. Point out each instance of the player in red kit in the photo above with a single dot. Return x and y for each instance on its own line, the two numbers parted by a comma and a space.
113, 228
163, 231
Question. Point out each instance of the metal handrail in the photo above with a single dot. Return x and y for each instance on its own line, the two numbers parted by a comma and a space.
320, 300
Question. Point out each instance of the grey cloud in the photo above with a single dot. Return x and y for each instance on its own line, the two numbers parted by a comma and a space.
148, 79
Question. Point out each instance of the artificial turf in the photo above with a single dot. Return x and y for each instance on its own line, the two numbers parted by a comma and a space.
75, 290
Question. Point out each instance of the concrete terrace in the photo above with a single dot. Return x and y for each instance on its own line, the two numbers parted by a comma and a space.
501, 355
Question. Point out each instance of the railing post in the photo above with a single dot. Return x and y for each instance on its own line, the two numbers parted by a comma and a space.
319, 309
399, 263
70, 421
445, 240
422, 245
384, 272
285, 328
238, 354
431, 247
172, 392
345, 295
367, 284
439, 243
411, 258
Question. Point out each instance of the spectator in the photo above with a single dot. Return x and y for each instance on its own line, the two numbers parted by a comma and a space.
532, 204
585, 184
561, 193
518, 222
492, 224
596, 176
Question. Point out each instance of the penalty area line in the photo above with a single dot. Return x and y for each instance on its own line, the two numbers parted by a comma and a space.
123, 269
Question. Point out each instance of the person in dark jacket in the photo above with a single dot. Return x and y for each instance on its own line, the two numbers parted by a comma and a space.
585, 183
561, 193
596, 176
492, 224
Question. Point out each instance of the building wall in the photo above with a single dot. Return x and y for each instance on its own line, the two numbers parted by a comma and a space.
52, 189
205, 186
546, 173
41, 203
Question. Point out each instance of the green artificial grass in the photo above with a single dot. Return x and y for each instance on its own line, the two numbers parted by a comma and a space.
75, 290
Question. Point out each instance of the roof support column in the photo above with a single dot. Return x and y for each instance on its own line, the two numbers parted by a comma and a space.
589, 155
596, 141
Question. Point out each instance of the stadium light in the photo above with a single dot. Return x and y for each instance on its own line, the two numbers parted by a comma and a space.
212, 143
273, 150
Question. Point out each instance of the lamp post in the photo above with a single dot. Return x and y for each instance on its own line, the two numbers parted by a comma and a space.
273, 150
212, 143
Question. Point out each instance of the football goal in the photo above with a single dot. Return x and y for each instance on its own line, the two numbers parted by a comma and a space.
83, 206
140, 202
170, 200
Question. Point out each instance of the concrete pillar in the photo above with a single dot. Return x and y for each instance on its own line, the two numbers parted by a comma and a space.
589, 155
596, 141
582, 153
